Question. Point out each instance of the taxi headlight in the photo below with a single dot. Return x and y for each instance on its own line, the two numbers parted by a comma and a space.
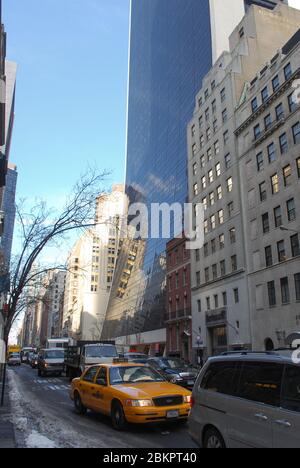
139, 403
187, 399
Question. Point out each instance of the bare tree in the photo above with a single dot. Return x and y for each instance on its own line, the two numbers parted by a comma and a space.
43, 227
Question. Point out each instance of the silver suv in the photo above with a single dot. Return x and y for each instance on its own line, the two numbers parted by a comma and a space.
247, 400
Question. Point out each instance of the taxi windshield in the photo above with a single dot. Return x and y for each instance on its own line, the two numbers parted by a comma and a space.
134, 374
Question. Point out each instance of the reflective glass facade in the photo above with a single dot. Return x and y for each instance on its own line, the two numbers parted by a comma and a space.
170, 53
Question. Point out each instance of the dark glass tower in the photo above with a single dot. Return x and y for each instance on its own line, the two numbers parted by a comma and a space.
170, 53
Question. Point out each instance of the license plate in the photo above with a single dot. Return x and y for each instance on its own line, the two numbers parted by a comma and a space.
191, 382
172, 414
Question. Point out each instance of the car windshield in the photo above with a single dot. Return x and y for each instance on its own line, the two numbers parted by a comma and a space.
173, 363
14, 355
134, 374
55, 354
101, 351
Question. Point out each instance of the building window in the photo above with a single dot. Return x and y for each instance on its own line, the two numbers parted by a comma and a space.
265, 223
194, 149
275, 184
219, 192
272, 294
206, 274
224, 295
208, 303
232, 235
222, 241
277, 216
206, 94
285, 290
275, 83
296, 133
265, 94
203, 182
204, 203
212, 199
208, 134
206, 253
287, 175
217, 147
230, 209
199, 306
291, 209
223, 268
297, 286
214, 106
200, 102
215, 125
236, 296
216, 301
213, 85
271, 152
298, 166
213, 246
215, 272
263, 191
224, 115
201, 141
257, 131
295, 246
207, 115
229, 184
223, 95
213, 223
283, 142
218, 169
281, 251
260, 161
279, 111
292, 103
268, 122
200, 121
234, 263
194, 169
206, 227
202, 162
288, 71
254, 104
221, 216
211, 176
269, 256
209, 154
196, 192
198, 279
193, 130
197, 255
226, 137
227, 160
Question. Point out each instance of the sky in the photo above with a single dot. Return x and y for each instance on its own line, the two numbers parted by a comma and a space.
70, 110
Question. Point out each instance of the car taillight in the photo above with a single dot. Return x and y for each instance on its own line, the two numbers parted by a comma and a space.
192, 401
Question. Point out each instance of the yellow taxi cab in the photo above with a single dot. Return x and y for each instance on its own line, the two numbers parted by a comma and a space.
129, 392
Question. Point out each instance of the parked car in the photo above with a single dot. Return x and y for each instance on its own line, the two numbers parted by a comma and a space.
51, 361
129, 392
138, 358
249, 400
175, 370
25, 353
14, 359
34, 361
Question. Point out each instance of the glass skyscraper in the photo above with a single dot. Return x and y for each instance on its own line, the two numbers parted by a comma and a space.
171, 50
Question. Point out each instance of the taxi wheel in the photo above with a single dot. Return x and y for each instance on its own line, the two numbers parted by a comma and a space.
118, 417
213, 440
78, 404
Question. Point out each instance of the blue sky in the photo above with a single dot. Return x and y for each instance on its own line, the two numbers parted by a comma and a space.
72, 60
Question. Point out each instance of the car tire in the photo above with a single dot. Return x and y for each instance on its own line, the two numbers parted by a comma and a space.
79, 407
213, 440
119, 422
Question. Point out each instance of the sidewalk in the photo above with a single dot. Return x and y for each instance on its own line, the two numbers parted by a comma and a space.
7, 433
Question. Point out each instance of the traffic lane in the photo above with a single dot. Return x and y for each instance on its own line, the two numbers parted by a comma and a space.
56, 401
